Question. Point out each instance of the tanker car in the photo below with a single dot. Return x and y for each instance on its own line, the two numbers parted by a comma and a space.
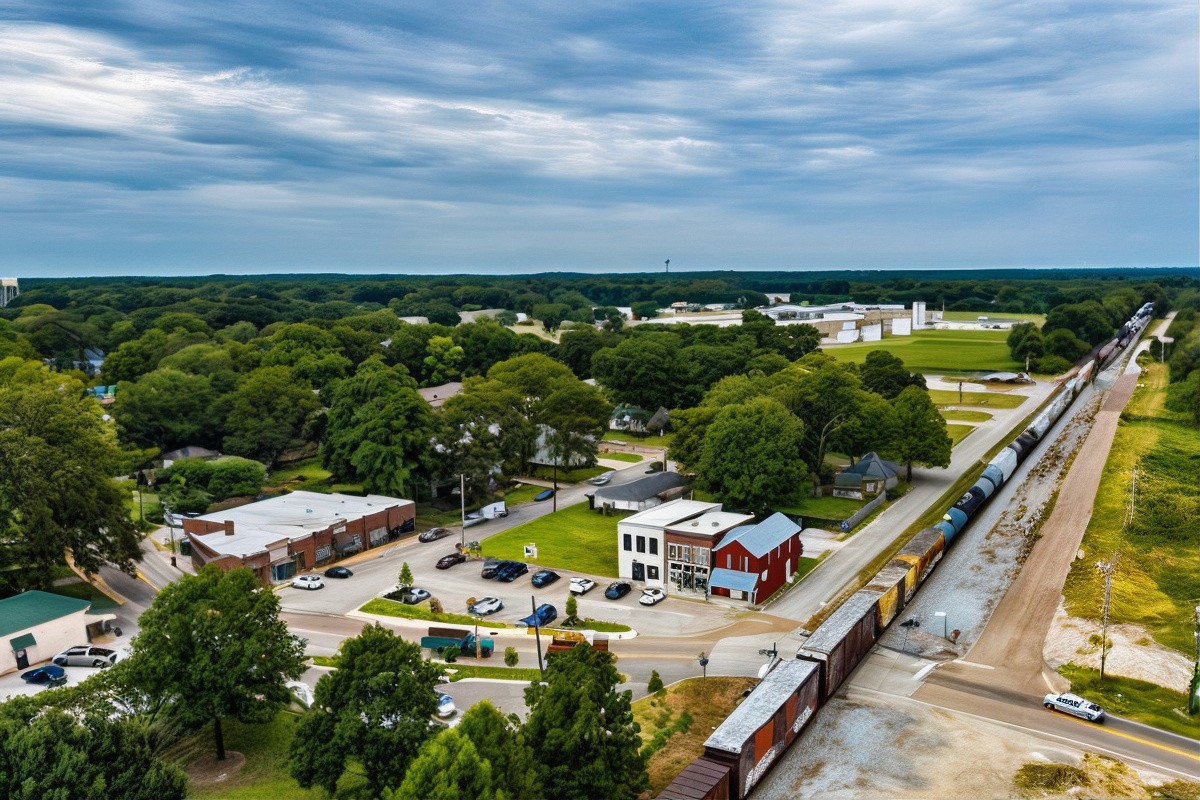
745, 746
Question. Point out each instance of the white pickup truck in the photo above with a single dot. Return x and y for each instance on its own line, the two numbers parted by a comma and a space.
1074, 704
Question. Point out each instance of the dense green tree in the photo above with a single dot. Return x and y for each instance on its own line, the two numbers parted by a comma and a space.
14, 344
885, 375
134, 358
314, 354
582, 730
1184, 396
447, 768
374, 708
485, 343
503, 745
1088, 320
167, 409
444, 361
483, 428
643, 370
751, 455
211, 359
825, 395
873, 428
691, 427
1025, 341
49, 753
1065, 344
56, 494
214, 645
644, 309
267, 413
378, 429
921, 437
576, 348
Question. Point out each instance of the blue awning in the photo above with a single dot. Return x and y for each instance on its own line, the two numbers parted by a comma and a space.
732, 579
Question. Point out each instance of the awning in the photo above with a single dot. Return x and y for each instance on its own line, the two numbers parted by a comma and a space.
722, 578
22, 642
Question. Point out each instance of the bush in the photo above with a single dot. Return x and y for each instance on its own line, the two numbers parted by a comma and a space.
511, 657
655, 684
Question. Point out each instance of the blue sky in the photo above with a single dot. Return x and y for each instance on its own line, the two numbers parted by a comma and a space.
152, 137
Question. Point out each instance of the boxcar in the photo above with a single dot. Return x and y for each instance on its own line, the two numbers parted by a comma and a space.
890, 583
923, 551
841, 641
703, 779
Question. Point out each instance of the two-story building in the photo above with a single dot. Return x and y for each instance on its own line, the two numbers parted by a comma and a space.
690, 545
641, 539
754, 561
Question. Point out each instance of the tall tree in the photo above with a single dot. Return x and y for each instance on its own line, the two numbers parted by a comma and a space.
582, 730
751, 455
267, 413
885, 375
378, 428
922, 437
56, 493
167, 408
447, 768
375, 707
214, 644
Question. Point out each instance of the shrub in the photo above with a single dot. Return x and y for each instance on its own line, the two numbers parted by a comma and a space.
511, 657
655, 684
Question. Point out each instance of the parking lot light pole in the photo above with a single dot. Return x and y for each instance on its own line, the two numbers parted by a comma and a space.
537, 635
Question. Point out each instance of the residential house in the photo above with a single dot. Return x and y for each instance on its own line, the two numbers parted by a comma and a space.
870, 476
647, 492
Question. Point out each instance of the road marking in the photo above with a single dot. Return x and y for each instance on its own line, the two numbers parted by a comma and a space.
1151, 743
146, 580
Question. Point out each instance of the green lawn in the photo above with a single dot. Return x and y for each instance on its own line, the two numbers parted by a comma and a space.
993, 316
958, 432
644, 441
1156, 584
574, 538
836, 508
949, 397
394, 608
1139, 700
966, 416
85, 591
938, 351
632, 458
307, 475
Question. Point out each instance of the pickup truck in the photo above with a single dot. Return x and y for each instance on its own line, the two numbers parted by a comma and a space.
464, 641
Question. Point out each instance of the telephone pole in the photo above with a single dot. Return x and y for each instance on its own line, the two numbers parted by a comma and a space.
1106, 568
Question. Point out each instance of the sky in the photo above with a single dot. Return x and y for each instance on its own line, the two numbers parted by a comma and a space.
154, 137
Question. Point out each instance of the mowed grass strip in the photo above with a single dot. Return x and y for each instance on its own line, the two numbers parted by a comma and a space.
947, 397
993, 317
708, 700
958, 415
958, 432
938, 351
1156, 582
575, 539
1134, 699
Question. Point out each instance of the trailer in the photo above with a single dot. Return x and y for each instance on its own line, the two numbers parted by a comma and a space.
464, 641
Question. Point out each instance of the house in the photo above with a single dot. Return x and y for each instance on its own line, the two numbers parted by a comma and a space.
870, 476
641, 538
647, 492
280, 536
34, 626
754, 561
437, 396
690, 547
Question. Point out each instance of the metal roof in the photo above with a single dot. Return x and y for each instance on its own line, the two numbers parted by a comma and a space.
34, 608
671, 513
760, 539
830, 633
761, 705
723, 578
642, 488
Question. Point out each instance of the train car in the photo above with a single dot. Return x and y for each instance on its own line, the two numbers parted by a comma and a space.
920, 554
703, 779
752, 738
994, 474
1006, 462
973, 498
840, 642
1023, 445
891, 583
1085, 373
956, 520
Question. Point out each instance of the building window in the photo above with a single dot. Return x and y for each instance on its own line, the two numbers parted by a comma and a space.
673, 551
641, 544
628, 542
653, 547
701, 556
652, 572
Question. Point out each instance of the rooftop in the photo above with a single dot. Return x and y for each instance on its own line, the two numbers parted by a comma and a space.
763, 537
671, 513
711, 524
642, 488
34, 608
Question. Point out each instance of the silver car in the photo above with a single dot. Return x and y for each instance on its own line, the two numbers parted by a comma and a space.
86, 656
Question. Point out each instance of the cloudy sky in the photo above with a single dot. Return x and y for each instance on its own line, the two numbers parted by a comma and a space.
193, 137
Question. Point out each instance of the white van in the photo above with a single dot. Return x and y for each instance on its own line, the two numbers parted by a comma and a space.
1074, 704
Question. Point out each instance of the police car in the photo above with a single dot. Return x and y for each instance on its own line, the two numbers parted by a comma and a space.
1074, 704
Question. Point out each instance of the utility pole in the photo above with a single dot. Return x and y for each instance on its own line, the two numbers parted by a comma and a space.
462, 500
1194, 694
1106, 568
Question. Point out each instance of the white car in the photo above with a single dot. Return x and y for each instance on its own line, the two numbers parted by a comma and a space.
601, 479
652, 596
445, 705
582, 585
1074, 704
87, 656
308, 582
487, 605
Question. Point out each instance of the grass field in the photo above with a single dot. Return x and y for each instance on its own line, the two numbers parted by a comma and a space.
1156, 584
938, 351
631, 458
949, 397
632, 438
822, 507
1139, 700
966, 416
85, 591
575, 536
958, 432
972, 316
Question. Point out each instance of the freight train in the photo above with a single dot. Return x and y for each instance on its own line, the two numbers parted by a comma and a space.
745, 746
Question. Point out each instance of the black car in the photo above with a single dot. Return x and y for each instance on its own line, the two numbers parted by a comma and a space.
544, 577
491, 566
450, 559
514, 570
433, 534
616, 591
338, 572
544, 615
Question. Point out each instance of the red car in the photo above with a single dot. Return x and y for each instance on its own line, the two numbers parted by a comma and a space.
449, 560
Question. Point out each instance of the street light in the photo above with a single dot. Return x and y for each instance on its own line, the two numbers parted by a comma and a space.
942, 614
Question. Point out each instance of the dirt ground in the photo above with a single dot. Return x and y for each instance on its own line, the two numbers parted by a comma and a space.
1133, 654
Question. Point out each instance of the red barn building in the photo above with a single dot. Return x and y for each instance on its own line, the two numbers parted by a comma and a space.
754, 561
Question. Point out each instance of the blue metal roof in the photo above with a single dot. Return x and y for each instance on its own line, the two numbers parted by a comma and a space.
732, 579
761, 538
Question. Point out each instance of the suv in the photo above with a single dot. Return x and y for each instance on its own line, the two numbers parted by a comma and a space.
543, 615
1074, 704
510, 573
86, 656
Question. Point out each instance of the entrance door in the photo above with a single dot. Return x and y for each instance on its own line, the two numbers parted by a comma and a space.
22, 658
639, 571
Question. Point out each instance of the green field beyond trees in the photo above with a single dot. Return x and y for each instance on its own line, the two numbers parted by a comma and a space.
938, 351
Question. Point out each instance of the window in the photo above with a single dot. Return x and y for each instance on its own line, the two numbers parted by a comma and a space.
673, 551
653, 546
652, 572
701, 556
641, 544
628, 542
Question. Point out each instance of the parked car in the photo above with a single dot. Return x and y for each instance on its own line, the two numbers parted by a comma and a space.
601, 479
545, 495
543, 577
445, 706
338, 572
308, 582
510, 573
411, 595
48, 675
582, 585
616, 591
450, 559
491, 566
86, 656
543, 615
487, 605
652, 596
1075, 705
433, 534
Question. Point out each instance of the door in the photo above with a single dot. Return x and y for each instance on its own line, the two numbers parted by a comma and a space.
22, 658
639, 571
